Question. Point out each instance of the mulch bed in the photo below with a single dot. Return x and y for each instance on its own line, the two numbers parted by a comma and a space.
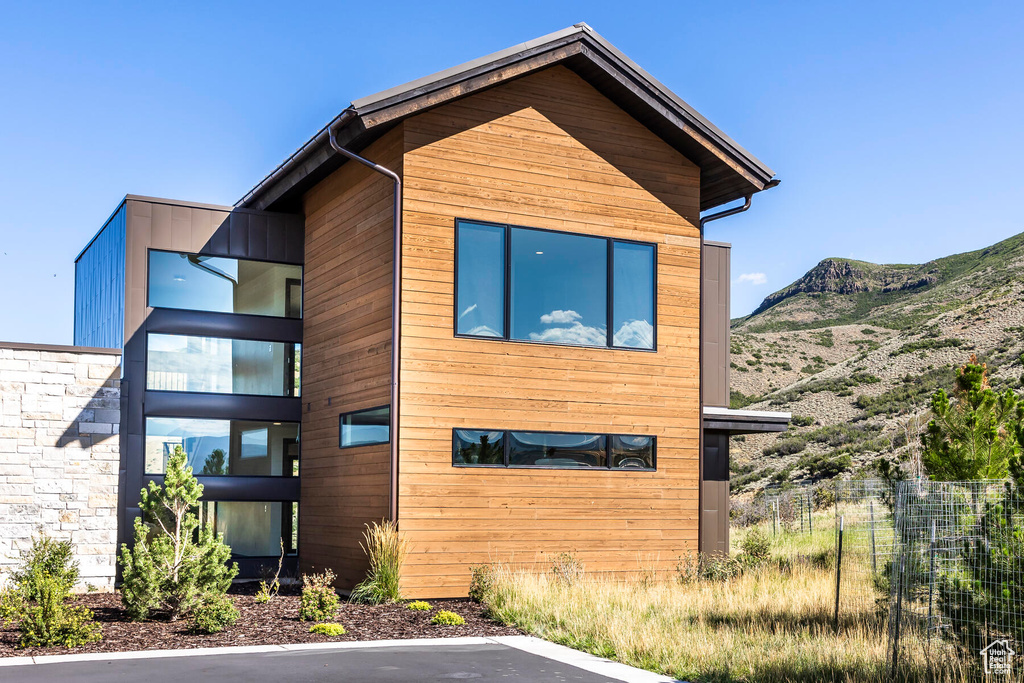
273, 623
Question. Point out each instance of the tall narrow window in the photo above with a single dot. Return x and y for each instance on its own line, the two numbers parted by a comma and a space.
559, 288
633, 295
480, 304
365, 427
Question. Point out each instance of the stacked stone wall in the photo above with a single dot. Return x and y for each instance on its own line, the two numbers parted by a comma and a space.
59, 454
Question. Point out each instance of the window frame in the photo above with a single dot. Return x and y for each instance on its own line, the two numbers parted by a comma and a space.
507, 293
301, 280
229, 420
506, 441
342, 416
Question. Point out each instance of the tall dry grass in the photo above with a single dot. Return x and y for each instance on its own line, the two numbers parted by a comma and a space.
387, 550
767, 624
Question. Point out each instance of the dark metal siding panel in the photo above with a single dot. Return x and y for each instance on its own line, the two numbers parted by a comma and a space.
99, 287
714, 535
715, 331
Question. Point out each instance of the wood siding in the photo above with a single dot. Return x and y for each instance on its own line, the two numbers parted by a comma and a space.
346, 358
545, 151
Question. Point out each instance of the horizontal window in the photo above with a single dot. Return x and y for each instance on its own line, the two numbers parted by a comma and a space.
222, 366
525, 284
552, 450
224, 285
224, 447
365, 427
253, 529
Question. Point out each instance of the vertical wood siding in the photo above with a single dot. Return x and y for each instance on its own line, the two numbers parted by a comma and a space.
346, 358
545, 151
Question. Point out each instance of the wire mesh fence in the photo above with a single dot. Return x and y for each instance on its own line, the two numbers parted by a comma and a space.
957, 575
864, 544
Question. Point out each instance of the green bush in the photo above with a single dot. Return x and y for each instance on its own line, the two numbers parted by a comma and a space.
446, 618
387, 550
47, 557
756, 547
481, 581
37, 598
332, 630
786, 446
176, 563
213, 615
319, 602
419, 606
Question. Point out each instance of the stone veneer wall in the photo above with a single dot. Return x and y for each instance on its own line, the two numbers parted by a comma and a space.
59, 452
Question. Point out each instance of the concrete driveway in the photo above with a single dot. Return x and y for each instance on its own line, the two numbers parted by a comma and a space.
515, 658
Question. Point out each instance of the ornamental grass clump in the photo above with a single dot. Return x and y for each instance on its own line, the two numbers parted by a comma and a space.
176, 563
387, 550
319, 602
446, 618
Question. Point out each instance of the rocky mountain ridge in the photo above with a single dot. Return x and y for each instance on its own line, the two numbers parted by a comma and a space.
855, 350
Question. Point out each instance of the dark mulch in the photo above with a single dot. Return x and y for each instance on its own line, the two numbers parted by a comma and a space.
273, 623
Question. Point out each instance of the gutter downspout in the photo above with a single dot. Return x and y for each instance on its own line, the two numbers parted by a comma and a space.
700, 360
396, 302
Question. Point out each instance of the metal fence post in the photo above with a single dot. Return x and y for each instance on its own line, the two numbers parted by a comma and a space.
874, 561
931, 578
839, 567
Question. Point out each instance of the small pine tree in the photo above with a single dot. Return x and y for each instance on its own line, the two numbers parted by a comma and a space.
974, 436
215, 463
175, 563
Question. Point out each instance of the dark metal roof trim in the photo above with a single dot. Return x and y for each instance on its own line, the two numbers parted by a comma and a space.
728, 171
744, 421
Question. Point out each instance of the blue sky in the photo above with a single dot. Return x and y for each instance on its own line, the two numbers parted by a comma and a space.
895, 127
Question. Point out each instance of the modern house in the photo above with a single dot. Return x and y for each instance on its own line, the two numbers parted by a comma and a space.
480, 304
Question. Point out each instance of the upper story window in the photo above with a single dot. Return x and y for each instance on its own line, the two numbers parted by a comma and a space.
525, 284
224, 285
222, 366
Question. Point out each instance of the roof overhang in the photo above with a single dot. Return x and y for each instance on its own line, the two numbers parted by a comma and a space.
745, 421
728, 172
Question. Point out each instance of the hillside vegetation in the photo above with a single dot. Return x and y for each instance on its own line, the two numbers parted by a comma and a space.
855, 350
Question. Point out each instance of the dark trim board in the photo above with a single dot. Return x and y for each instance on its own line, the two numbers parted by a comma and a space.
744, 421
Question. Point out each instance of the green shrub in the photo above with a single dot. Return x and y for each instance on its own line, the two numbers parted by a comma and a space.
756, 547
802, 420
419, 606
566, 569
176, 562
387, 550
481, 581
332, 630
213, 615
47, 557
446, 618
49, 621
787, 446
319, 602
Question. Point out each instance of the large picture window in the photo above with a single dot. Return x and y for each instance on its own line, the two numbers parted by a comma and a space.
224, 285
253, 529
224, 447
552, 450
222, 366
525, 284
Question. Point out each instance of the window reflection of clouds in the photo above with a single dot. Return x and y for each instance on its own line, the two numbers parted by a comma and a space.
633, 298
481, 273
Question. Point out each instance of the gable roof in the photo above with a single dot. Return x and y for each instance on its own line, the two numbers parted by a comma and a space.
728, 171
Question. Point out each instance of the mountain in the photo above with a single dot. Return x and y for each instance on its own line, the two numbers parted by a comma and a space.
855, 350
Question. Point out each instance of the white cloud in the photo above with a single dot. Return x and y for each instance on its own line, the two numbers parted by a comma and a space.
560, 317
637, 334
467, 311
577, 334
753, 278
